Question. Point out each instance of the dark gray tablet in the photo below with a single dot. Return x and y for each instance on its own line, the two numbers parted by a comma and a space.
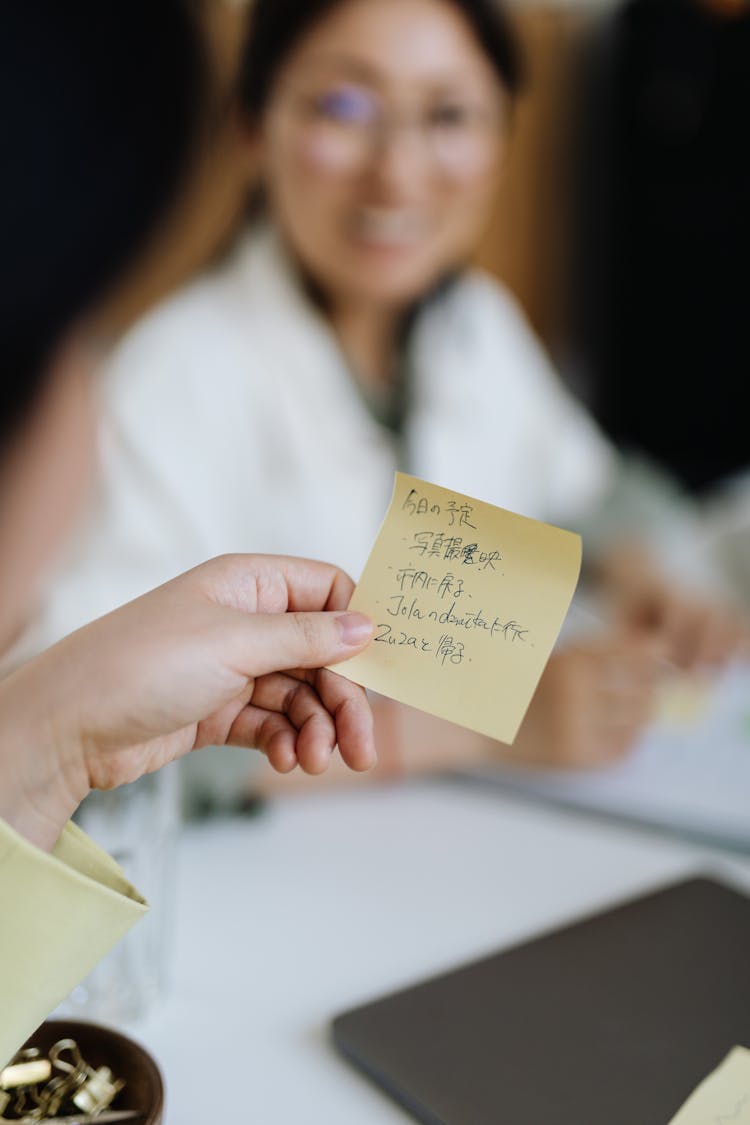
610, 1021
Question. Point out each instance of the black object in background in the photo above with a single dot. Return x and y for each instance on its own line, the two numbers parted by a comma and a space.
613, 1020
662, 233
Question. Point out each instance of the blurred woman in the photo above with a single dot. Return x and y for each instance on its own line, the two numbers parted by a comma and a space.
345, 335
100, 103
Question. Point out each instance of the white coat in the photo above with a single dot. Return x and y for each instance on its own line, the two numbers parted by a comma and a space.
231, 422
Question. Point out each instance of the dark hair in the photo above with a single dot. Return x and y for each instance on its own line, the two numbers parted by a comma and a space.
277, 26
99, 102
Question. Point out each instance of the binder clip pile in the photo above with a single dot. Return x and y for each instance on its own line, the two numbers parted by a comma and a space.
60, 1087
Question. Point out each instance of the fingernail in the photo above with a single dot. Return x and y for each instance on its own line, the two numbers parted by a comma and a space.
355, 628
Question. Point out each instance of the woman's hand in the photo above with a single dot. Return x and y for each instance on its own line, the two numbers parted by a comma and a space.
409, 743
233, 652
697, 631
593, 700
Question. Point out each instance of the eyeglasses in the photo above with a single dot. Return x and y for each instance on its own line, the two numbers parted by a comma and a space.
349, 126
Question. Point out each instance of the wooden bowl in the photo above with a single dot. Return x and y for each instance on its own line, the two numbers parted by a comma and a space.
128, 1060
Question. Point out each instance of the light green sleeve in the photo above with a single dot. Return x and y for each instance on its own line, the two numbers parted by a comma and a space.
59, 914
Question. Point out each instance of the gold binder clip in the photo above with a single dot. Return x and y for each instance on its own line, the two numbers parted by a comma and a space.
75, 1067
25, 1072
52, 1096
98, 1091
23, 1077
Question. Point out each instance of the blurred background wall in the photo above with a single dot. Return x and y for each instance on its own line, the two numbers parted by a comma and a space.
662, 232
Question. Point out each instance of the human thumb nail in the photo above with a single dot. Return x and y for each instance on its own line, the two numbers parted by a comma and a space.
355, 629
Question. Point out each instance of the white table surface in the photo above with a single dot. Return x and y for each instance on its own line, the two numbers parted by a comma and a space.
327, 901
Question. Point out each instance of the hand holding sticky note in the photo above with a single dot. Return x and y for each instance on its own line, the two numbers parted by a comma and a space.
467, 600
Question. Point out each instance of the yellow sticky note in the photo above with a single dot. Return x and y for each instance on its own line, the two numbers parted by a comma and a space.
467, 600
724, 1097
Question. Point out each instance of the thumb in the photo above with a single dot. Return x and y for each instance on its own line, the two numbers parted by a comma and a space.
275, 642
